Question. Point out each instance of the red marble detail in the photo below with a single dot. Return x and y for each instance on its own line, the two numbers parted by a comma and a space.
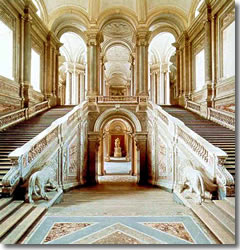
117, 238
175, 229
61, 229
6, 108
228, 107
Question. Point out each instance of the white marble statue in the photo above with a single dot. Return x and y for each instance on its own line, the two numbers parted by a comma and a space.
117, 149
39, 180
197, 182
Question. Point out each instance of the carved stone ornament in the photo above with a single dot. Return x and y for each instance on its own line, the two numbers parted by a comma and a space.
117, 28
40, 179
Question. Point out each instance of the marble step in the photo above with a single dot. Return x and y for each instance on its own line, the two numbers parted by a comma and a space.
9, 209
4, 202
10, 222
226, 207
221, 216
223, 235
231, 201
17, 233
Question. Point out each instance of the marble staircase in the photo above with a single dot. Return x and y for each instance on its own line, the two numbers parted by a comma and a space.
214, 133
18, 135
219, 217
16, 218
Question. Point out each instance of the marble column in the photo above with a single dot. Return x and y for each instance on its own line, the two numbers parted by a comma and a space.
167, 88
93, 65
82, 87
68, 87
102, 76
162, 90
176, 45
27, 57
132, 77
142, 64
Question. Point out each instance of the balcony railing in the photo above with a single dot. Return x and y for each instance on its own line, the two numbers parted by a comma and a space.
117, 99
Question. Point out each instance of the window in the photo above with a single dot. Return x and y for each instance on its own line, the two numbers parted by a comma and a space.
35, 70
6, 51
229, 51
200, 70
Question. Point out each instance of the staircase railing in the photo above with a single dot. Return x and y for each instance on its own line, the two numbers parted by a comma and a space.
23, 159
211, 157
224, 118
22, 114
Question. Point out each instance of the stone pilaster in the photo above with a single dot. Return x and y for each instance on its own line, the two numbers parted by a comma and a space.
93, 148
141, 143
27, 57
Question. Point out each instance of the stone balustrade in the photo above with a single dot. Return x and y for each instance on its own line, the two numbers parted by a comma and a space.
42, 147
223, 118
22, 114
118, 99
210, 158
193, 106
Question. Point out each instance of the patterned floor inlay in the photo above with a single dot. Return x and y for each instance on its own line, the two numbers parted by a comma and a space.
176, 229
117, 238
61, 229
118, 230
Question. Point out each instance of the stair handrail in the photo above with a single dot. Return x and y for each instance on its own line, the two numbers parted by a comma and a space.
224, 118
23, 114
24, 157
193, 106
212, 157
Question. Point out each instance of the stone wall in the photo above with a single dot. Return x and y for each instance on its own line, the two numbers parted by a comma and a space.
28, 33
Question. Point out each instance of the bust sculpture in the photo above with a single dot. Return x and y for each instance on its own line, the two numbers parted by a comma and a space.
117, 149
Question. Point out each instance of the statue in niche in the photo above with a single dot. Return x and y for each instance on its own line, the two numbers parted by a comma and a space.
117, 149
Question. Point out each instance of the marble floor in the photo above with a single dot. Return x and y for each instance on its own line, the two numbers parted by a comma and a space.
119, 212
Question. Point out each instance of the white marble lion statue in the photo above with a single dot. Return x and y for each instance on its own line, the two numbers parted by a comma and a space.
39, 180
196, 181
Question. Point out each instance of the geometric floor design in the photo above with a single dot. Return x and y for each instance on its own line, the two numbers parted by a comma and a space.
118, 230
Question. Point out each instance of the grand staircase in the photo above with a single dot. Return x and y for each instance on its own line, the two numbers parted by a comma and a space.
21, 133
17, 218
217, 135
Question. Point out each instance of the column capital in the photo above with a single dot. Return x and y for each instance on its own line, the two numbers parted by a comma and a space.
94, 37
143, 38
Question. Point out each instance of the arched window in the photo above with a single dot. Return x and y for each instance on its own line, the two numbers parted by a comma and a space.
197, 9
6, 51
200, 70
35, 70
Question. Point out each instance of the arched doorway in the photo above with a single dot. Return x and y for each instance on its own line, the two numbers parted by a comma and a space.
117, 149
112, 124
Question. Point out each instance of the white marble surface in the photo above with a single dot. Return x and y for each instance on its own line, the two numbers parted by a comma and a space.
117, 167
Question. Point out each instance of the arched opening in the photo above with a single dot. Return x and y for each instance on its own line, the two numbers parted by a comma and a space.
72, 66
116, 72
161, 68
117, 151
